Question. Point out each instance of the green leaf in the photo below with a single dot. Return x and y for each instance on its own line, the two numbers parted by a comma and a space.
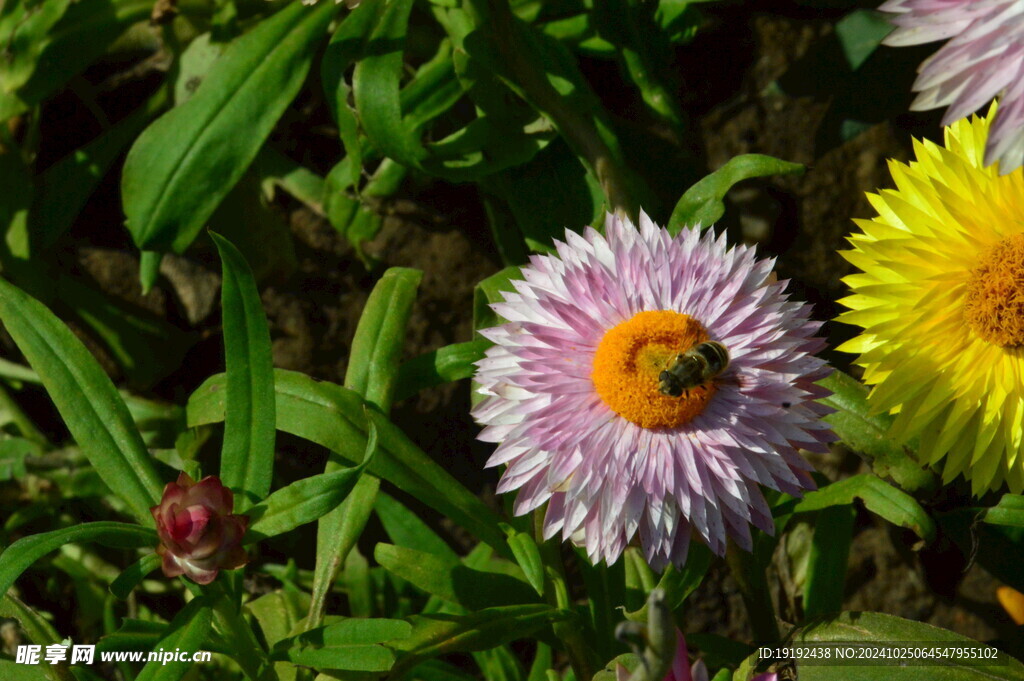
20, 555
488, 292
829, 555
879, 497
301, 502
39, 631
678, 583
66, 185
870, 628
352, 644
376, 88
333, 416
181, 167
188, 631
278, 613
1009, 511
133, 634
450, 363
435, 635
377, 345
702, 204
527, 554
860, 33
247, 459
405, 528
547, 194
133, 575
55, 40
449, 579
867, 433
144, 345
86, 399
347, 45
24, 29
277, 170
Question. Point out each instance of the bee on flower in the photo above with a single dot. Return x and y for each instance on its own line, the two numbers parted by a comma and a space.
940, 298
588, 422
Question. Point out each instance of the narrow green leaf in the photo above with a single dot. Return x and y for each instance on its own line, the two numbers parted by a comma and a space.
66, 185
247, 459
301, 502
338, 531
678, 583
527, 554
449, 579
133, 575
879, 497
333, 416
488, 292
450, 363
38, 629
25, 27
858, 629
830, 552
145, 346
277, 170
45, 55
184, 164
867, 433
278, 613
405, 528
347, 45
860, 33
1009, 511
133, 634
702, 203
377, 345
435, 635
358, 658
86, 399
352, 631
376, 87
20, 555
188, 631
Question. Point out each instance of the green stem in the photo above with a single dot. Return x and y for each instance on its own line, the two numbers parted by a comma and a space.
752, 579
556, 592
239, 636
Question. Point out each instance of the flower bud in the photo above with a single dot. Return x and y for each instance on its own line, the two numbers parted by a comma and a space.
199, 536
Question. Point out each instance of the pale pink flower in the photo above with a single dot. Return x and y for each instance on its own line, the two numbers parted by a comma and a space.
983, 60
199, 536
573, 396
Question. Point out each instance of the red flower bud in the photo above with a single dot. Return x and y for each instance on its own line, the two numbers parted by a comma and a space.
199, 536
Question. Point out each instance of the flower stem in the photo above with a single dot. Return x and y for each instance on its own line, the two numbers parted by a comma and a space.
752, 579
557, 594
248, 652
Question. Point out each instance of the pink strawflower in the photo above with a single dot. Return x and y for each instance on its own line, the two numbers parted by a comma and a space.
984, 60
199, 536
575, 399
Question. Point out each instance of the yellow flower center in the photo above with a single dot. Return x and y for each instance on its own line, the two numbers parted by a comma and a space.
629, 360
994, 308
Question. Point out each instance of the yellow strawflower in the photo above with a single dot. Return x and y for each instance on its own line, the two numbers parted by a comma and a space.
940, 297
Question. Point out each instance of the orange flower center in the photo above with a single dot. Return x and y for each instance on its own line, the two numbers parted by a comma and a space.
994, 308
629, 360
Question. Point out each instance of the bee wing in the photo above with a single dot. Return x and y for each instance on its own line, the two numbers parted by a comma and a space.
733, 378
